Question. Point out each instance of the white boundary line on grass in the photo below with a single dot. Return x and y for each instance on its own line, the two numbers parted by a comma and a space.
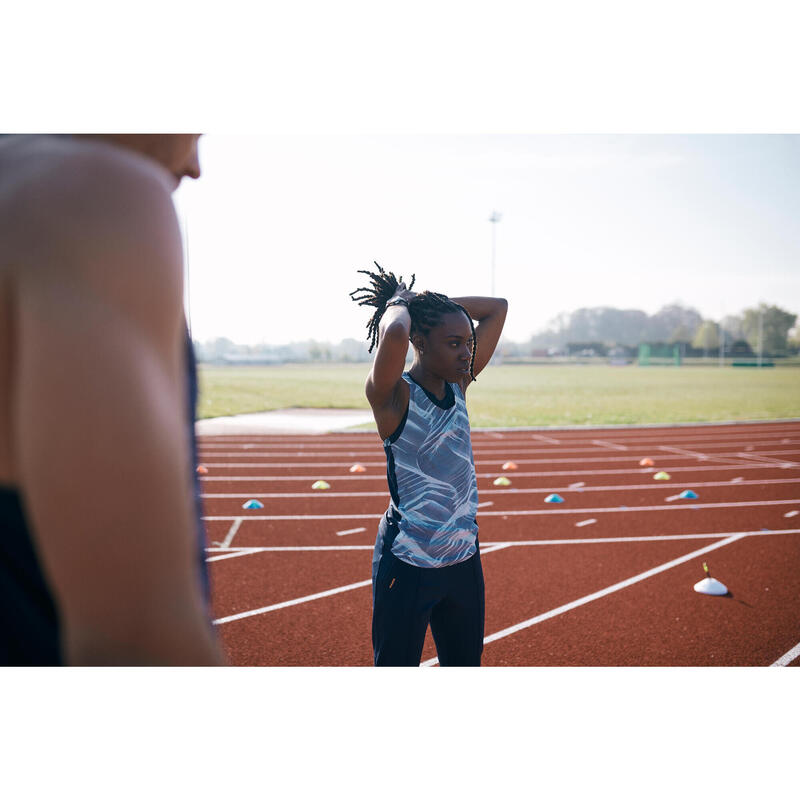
602, 593
787, 658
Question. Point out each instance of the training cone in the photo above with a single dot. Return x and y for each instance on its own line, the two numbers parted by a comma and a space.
501, 481
687, 494
554, 498
201, 470
253, 504
358, 468
661, 476
509, 465
710, 585
646, 462
320, 485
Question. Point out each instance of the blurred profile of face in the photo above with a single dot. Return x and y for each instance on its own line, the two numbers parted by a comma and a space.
175, 151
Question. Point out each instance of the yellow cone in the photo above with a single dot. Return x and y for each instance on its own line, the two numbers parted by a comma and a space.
661, 476
320, 485
502, 481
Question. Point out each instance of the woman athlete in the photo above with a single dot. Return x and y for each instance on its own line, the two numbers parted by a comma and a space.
426, 565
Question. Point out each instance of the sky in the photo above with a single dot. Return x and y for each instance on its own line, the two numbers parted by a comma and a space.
278, 225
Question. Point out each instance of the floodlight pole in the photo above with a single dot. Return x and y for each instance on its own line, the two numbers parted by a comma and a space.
494, 219
497, 356
760, 332
721, 345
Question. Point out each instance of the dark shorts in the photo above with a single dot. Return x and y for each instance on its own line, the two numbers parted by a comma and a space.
406, 599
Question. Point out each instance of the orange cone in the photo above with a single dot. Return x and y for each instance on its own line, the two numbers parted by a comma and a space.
201, 470
358, 468
509, 465
646, 462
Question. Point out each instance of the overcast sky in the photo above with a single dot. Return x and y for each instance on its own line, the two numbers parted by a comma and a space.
278, 225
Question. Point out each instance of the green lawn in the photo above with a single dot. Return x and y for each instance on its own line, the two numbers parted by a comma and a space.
512, 395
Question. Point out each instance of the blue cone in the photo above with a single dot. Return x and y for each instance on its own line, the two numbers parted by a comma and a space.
687, 494
554, 498
253, 504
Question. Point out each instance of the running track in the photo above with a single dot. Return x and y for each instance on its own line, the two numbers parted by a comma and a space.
604, 578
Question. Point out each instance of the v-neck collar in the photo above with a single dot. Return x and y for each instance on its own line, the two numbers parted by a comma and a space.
449, 399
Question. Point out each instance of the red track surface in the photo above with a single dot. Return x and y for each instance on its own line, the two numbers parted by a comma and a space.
747, 478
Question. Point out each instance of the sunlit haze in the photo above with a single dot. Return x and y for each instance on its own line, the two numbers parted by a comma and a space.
278, 225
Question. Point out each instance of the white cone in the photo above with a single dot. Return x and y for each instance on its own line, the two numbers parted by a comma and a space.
710, 586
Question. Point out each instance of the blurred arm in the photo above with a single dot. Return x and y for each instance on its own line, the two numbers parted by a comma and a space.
99, 408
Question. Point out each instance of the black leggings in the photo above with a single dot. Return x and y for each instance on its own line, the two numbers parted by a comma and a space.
405, 599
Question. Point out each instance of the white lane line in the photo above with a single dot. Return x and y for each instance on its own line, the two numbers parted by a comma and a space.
492, 547
297, 601
672, 497
787, 658
318, 596
522, 513
349, 531
520, 543
610, 445
623, 487
636, 471
778, 462
547, 439
226, 542
245, 551
585, 522
791, 514
486, 504
602, 593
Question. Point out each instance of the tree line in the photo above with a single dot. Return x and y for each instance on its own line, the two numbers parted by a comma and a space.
610, 327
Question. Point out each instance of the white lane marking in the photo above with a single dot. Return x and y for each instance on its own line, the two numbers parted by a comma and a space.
602, 593
787, 658
226, 542
318, 595
520, 543
486, 504
610, 445
778, 462
349, 531
672, 497
585, 522
791, 513
737, 480
522, 513
297, 601
625, 487
492, 547
634, 471
245, 551
542, 438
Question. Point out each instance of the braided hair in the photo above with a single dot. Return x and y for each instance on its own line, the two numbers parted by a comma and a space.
425, 309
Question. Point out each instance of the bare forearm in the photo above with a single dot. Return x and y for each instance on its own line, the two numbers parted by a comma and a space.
483, 308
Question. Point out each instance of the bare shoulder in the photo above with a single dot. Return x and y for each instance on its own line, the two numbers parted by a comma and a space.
92, 213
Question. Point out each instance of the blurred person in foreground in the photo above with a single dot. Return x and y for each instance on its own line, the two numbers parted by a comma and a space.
101, 539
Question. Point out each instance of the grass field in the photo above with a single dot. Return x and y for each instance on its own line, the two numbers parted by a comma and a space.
517, 395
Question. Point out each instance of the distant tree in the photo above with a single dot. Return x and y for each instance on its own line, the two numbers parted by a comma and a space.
707, 337
776, 324
673, 320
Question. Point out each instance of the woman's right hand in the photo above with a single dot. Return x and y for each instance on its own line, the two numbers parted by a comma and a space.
402, 292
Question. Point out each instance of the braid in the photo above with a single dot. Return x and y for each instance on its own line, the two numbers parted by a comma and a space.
425, 309
384, 285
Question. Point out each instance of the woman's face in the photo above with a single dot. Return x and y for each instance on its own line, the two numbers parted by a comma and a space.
447, 349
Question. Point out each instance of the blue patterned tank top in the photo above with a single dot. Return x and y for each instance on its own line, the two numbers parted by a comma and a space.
434, 493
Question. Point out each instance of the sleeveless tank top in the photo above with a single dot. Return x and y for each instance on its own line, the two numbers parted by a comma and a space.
431, 473
30, 631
